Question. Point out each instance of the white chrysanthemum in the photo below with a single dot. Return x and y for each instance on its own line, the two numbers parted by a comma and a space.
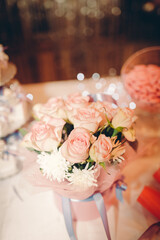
82, 178
54, 165
116, 154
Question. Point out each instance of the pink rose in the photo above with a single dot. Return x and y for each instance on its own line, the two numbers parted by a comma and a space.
101, 149
76, 148
106, 111
88, 118
123, 118
75, 101
54, 107
56, 124
44, 136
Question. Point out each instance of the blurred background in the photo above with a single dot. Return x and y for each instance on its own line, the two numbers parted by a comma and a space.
56, 39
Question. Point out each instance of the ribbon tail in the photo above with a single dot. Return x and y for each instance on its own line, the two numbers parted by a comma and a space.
119, 195
102, 211
119, 190
68, 217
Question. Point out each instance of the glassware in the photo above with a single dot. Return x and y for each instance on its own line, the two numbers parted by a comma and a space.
142, 91
10, 162
137, 73
15, 110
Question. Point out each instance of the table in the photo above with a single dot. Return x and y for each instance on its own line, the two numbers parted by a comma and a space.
27, 214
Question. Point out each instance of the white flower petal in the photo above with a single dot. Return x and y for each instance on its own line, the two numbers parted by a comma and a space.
54, 165
82, 178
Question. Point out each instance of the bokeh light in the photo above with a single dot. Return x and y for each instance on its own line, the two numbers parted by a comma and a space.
80, 76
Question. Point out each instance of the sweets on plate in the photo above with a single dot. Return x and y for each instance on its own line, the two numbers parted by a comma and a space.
143, 84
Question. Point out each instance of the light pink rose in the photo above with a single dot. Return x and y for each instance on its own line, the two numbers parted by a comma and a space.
56, 124
54, 107
76, 148
88, 118
106, 111
76, 100
44, 136
101, 149
123, 118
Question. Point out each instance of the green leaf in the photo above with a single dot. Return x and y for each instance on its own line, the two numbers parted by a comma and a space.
91, 164
116, 131
47, 152
70, 169
119, 129
99, 129
102, 164
32, 149
109, 123
90, 160
39, 152
68, 121
23, 131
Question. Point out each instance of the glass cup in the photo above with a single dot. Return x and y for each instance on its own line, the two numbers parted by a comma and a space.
141, 90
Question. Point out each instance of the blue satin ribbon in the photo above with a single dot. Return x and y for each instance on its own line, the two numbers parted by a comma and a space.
102, 211
66, 207
119, 190
98, 198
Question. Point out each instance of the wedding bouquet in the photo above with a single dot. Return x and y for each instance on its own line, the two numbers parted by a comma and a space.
80, 144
